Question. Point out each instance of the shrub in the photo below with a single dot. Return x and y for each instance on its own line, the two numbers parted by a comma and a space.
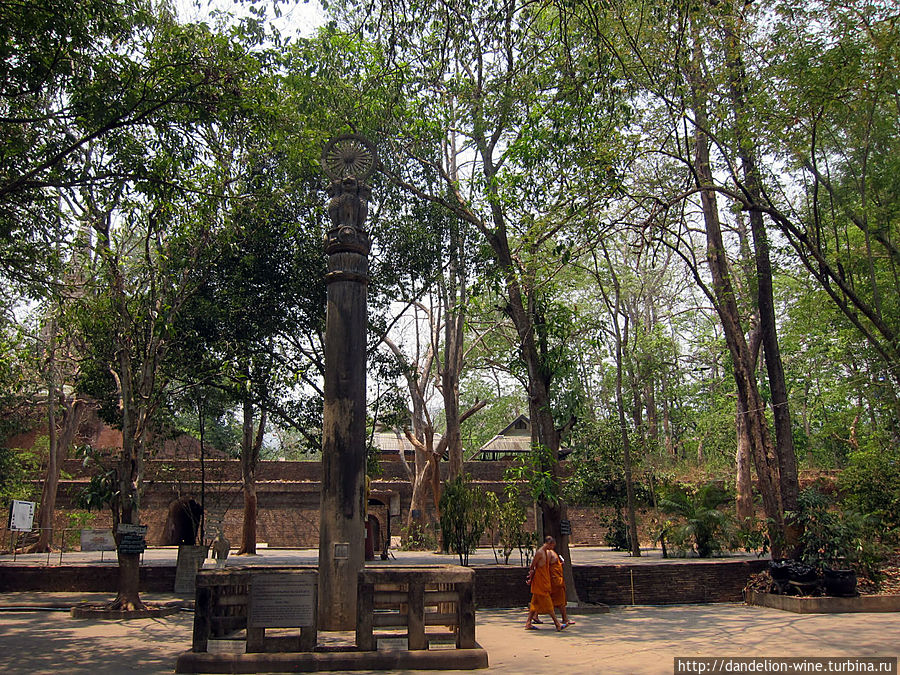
506, 524
616, 536
836, 538
701, 525
871, 483
463, 516
418, 538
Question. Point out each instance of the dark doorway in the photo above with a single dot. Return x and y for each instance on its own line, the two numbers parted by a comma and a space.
183, 522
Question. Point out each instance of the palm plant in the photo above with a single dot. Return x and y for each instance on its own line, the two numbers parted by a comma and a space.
701, 520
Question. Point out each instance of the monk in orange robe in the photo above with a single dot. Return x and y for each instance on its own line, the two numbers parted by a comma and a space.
539, 578
558, 585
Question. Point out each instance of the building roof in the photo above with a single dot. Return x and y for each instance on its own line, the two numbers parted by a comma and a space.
513, 441
391, 442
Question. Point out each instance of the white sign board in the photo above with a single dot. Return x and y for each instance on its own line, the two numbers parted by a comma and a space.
21, 516
282, 600
126, 528
190, 560
97, 540
215, 522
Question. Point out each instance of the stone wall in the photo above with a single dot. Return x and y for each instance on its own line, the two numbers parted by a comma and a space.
641, 584
495, 586
288, 493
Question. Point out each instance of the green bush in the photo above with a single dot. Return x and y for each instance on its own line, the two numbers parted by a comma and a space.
463, 516
15, 468
616, 536
506, 525
835, 537
418, 538
871, 485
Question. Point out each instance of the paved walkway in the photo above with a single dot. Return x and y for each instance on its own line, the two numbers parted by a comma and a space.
627, 640
166, 555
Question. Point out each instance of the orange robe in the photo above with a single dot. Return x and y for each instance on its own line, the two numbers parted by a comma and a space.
557, 583
540, 591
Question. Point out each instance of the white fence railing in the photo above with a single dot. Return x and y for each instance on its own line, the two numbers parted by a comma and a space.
62, 540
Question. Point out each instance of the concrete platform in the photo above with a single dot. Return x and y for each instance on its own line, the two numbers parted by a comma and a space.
825, 604
312, 662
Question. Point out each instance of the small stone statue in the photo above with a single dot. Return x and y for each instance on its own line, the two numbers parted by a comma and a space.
220, 549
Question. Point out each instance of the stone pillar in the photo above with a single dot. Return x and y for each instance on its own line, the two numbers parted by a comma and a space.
343, 511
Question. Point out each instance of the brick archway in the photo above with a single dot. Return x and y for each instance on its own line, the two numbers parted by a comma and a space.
182, 522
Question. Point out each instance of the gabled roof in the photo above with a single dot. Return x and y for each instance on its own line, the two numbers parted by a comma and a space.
389, 441
514, 440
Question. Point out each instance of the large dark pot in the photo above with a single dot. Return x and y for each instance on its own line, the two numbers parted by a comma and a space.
802, 573
780, 569
840, 583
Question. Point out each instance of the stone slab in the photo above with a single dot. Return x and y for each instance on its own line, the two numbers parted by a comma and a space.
310, 662
824, 605
428, 574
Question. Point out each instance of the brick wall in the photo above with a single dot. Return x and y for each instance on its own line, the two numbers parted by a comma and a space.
83, 578
654, 584
495, 586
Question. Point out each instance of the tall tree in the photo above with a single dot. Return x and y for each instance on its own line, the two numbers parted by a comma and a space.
154, 203
527, 119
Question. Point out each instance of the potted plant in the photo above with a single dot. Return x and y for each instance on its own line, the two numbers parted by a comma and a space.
834, 541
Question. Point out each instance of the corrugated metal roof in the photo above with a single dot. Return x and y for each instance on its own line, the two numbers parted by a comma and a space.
507, 444
390, 441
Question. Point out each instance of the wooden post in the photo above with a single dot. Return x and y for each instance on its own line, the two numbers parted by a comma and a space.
365, 608
465, 615
348, 160
202, 618
415, 617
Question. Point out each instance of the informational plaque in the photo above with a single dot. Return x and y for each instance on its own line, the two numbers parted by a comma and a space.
215, 522
341, 551
131, 538
21, 516
97, 540
282, 600
127, 528
190, 560
565, 527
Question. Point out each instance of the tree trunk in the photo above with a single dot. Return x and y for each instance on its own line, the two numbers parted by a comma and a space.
784, 443
250, 447
743, 479
72, 416
454, 301
762, 451
51, 478
633, 539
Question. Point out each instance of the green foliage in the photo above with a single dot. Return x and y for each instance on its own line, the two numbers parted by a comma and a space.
505, 522
836, 537
597, 477
463, 516
16, 467
871, 483
616, 536
418, 538
701, 525
752, 536
75, 522
534, 471
102, 490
